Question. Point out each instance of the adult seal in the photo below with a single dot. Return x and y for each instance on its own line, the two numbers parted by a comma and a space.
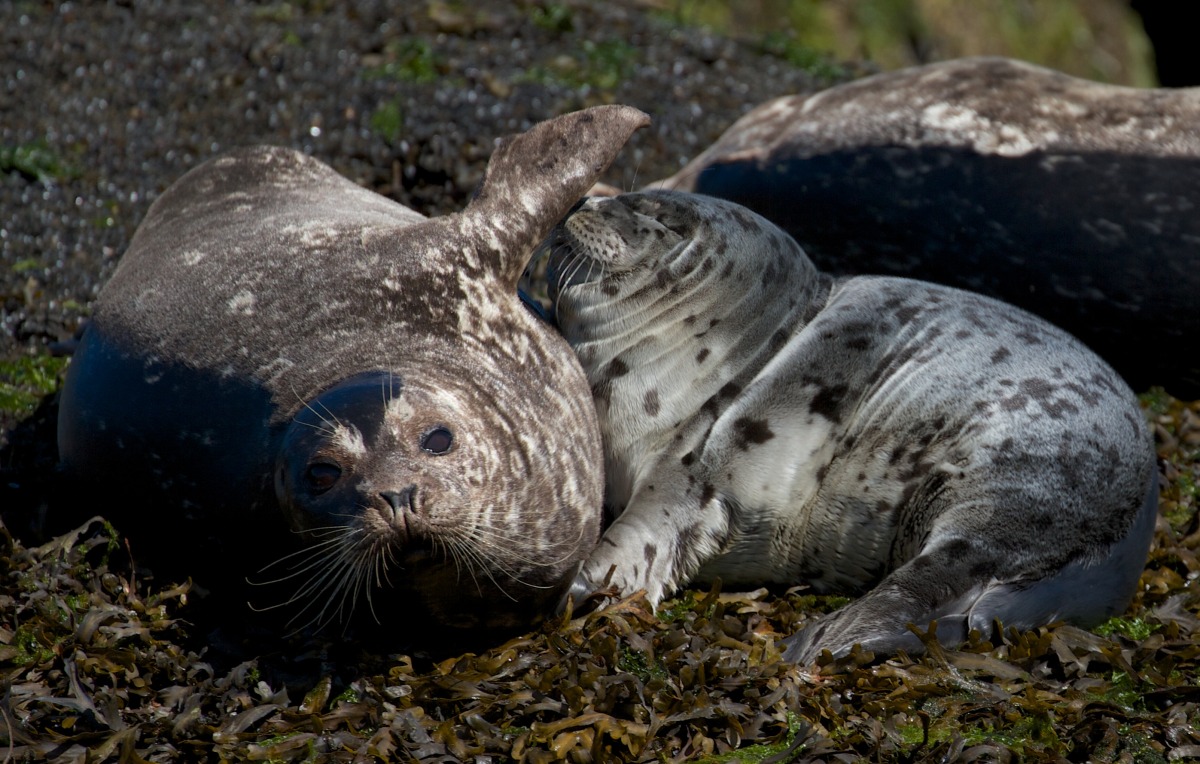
1072, 199
280, 344
946, 455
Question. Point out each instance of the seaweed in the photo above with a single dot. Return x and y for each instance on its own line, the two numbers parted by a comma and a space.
99, 665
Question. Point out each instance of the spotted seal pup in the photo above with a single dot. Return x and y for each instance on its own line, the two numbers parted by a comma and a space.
1075, 200
278, 339
946, 455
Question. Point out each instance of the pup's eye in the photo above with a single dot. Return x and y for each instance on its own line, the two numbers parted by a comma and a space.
321, 476
438, 440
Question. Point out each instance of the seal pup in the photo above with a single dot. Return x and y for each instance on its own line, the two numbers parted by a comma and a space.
955, 458
278, 340
1075, 200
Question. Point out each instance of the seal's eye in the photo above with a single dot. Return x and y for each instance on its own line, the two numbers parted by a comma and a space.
437, 441
321, 476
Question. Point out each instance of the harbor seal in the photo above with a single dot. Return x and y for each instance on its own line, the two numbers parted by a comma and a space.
1072, 199
946, 455
279, 341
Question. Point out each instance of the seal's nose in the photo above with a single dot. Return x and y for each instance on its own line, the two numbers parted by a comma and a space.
404, 500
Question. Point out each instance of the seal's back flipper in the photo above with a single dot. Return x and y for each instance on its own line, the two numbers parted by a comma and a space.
1084, 592
542, 172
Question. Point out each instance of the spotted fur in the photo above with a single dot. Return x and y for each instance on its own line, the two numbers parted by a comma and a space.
278, 339
943, 454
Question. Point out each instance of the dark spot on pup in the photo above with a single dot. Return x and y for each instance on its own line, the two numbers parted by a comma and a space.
751, 431
650, 403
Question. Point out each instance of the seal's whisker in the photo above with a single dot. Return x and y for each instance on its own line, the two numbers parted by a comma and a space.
375, 559
332, 540
312, 584
349, 588
574, 263
330, 583
332, 426
322, 428
556, 296
475, 546
352, 518
339, 569
318, 558
578, 260
383, 559
329, 567
388, 386
636, 169
320, 581
457, 554
375, 574
369, 590
474, 554
336, 422
512, 549
327, 530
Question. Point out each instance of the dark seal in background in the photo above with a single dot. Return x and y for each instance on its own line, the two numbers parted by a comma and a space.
1075, 200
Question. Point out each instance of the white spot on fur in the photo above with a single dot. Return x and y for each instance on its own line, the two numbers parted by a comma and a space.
349, 439
950, 117
1056, 107
399, 409
530, 200
242, 302
192, 257
985, 136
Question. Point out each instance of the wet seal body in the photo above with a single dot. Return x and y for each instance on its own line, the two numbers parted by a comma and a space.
278, 340
1072, 199
944, 454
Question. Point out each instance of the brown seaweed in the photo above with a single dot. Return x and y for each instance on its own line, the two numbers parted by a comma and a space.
99, 666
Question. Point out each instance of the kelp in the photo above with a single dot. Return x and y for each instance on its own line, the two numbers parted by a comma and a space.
99, 666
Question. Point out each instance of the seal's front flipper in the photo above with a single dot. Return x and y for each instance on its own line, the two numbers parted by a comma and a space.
656, 546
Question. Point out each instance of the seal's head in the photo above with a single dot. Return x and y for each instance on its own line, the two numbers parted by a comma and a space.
661, 286
435, 492
616, 262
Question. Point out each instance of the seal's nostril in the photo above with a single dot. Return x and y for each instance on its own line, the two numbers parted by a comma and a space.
401, 501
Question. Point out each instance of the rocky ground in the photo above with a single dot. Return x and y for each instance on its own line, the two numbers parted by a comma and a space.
105, 104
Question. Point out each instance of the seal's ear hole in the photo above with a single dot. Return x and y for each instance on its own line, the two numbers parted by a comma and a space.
321, 476
438, 440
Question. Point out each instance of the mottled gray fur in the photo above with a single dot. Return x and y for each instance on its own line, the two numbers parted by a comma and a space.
278, 338
944, 454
